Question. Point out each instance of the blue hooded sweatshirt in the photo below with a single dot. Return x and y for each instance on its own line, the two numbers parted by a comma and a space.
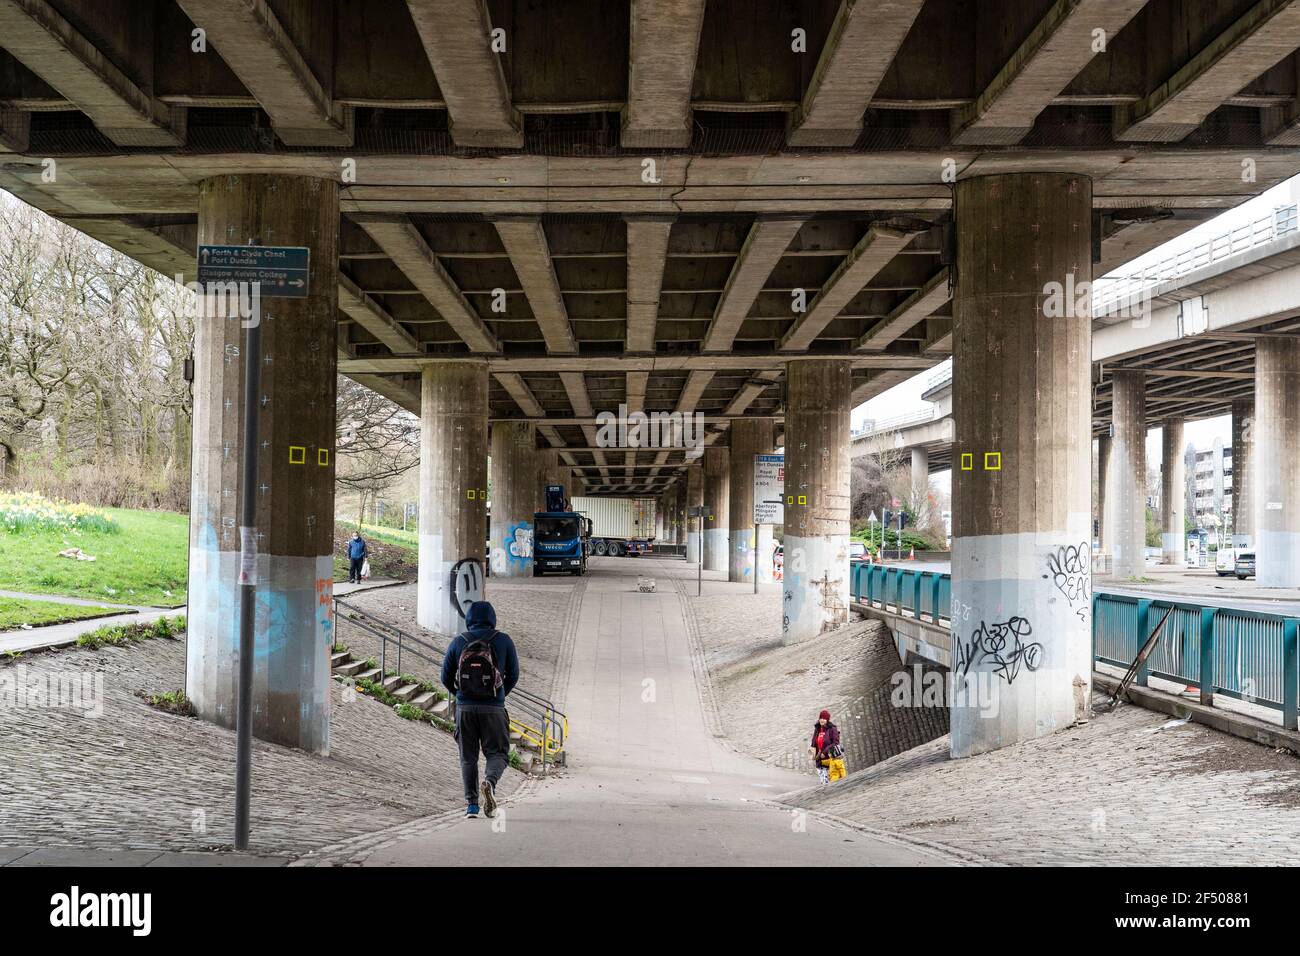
480, 623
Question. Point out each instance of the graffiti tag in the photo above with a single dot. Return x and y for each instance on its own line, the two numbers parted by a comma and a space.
1070, 568
1002, 647
466, 584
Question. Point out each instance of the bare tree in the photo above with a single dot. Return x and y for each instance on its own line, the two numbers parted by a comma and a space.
378, 442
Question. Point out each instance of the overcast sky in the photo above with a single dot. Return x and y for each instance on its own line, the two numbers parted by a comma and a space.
906, 396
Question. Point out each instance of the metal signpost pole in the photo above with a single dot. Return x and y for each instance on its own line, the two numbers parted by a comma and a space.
247, 581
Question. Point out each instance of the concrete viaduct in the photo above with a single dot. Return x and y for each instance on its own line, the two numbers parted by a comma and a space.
520, 215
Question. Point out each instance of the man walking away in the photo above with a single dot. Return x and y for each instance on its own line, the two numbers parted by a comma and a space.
481, 668
357, 552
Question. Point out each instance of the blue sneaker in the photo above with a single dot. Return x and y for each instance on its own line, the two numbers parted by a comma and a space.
471, 812
489, 799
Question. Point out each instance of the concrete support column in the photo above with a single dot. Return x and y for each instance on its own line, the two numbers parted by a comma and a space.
1021, 485
453, 492
293, 626
679, 509
514, 498
920, 473
817, 460
550, 471
1103, 470
1128, 474
1243, 473
694, 499
717, 484
749, 437
1173, 473
1277, 454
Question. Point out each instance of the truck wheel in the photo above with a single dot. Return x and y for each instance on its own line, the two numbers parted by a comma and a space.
598, 547
614, 548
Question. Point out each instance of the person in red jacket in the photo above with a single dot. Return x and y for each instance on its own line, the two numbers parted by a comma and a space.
825, 749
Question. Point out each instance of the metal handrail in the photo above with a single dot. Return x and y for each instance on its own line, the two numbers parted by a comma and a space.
552, 730
873, 427
1249, 655
1280, 222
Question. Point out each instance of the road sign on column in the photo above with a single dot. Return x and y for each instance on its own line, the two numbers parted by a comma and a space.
282, 271
769, 489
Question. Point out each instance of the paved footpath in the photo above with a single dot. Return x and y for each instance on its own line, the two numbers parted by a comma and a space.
648, 784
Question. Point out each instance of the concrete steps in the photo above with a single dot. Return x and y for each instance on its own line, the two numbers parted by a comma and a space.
343, 665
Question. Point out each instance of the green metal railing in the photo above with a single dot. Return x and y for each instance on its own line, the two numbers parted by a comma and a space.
1249, 655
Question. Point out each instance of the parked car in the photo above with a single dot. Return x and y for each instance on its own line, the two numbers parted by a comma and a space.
857, 551
1245, 565
1225, 561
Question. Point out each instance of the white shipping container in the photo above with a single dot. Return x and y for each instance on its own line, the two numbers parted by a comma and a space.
618, 517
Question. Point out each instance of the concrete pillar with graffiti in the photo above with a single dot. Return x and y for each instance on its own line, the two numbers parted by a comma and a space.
293, 537
815, 598
717, 482
453, 492
514, 499
1021, 480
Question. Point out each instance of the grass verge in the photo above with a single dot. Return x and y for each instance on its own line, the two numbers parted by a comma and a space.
15, 612
143, 562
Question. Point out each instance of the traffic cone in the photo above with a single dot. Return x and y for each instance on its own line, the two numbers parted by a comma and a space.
911, 555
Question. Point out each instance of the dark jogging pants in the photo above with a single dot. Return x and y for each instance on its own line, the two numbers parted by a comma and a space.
483, 727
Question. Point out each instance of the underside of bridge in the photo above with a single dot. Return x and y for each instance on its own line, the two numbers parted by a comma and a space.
663, 204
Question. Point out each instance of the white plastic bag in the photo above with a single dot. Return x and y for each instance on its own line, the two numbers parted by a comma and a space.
365, 569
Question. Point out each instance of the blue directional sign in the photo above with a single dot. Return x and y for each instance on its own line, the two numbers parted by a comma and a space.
282, 271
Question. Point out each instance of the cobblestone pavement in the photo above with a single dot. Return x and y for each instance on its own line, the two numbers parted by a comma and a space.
1117, 790
138, 779
534, 612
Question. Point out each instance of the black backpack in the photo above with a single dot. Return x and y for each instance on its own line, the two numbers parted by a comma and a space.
477, 676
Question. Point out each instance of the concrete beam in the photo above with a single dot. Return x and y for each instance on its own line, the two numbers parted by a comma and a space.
256, 47
625, 363
664, 40
862, 43
637, 382
1053, 54
525, 242
15, 130
763, 248
647, 251
575, 386
746, 394
372, 317
404, 244
39, 37
872, 254
874, 384
521, 393
396, 390
1265, 35
456, 35
938, 337
916, 307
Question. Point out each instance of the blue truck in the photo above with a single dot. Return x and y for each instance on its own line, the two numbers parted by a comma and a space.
560, 536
